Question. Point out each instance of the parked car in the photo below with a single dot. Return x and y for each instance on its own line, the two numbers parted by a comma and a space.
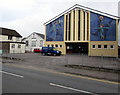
38, 50
50, 51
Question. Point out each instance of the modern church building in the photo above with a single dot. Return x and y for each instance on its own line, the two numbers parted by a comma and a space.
83, 30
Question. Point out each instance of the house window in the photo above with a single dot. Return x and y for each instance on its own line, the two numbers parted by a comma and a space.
60, 46
93, 46
41, 43
111, 46
56, 45
9, 37
19, 46
33, 44
17, 39
105, 46
27, 43
33, 36
13, 46
99, 46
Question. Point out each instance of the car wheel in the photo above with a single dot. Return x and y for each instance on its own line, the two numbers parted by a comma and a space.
54, 54
43, 54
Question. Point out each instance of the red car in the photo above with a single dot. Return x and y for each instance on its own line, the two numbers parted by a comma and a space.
37, 50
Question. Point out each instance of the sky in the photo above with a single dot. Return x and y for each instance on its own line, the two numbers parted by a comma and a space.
28, 16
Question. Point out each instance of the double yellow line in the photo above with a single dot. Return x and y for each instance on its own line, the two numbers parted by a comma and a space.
66, 74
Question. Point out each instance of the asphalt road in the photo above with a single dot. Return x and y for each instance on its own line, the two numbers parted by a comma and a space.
16, 79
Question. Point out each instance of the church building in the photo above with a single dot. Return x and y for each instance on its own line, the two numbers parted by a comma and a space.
83, 30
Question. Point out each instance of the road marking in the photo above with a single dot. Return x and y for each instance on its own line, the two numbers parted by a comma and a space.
61, 86
51, 56
66, 74
12, 74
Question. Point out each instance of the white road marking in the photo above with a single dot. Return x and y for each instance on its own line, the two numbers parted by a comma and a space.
72, 88
51, 56
12, 74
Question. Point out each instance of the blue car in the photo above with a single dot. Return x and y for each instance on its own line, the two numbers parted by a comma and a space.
50, 51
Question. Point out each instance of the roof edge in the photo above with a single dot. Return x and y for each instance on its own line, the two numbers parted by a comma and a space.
83, 8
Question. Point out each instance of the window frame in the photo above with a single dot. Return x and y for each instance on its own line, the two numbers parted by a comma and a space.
19, 46
13, 46
113, 46
93, 45
106, 47
56, 45
61, 46
10, 37
98, 46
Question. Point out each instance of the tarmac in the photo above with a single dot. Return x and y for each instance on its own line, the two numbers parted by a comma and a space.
97, 67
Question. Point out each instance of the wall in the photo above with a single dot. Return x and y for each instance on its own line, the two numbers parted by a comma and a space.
16, 49
103, 51
55, 30
102, 28
5, 38
5, 48
54, 43
104, 31
33, 38
77, 26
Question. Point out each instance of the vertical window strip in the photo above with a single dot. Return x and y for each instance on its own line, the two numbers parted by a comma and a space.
88, 26
66, 26
84, 25
74, 25
69, 26
79, 25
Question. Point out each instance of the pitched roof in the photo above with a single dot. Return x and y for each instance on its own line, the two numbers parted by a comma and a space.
82, 8
41, 35
9, 32
23, 38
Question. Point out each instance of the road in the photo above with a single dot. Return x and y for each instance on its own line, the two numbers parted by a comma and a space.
18, 79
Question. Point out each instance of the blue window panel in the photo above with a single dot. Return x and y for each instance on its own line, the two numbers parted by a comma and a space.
55, 30
102, 28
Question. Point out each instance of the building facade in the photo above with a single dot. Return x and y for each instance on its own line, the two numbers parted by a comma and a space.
10, 41
83, 30
34, 40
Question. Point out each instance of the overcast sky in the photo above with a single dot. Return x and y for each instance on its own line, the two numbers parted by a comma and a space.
28, 16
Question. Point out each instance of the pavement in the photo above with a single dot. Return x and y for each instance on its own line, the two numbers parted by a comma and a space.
24, 80
57, 63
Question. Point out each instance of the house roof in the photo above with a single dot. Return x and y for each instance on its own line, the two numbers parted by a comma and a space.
82, 8
41, 35
9, 32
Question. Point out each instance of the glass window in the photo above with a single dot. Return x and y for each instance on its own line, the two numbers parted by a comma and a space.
112, 46
27, 43
13, 46
33, 35
56, 45
105, 46
48, 45
33, 43
9, 37
99, 46
61, 46
19, 46
41, 43
93, 46
52, 45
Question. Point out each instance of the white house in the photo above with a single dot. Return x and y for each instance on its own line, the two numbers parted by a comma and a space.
34, 40
10, 41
